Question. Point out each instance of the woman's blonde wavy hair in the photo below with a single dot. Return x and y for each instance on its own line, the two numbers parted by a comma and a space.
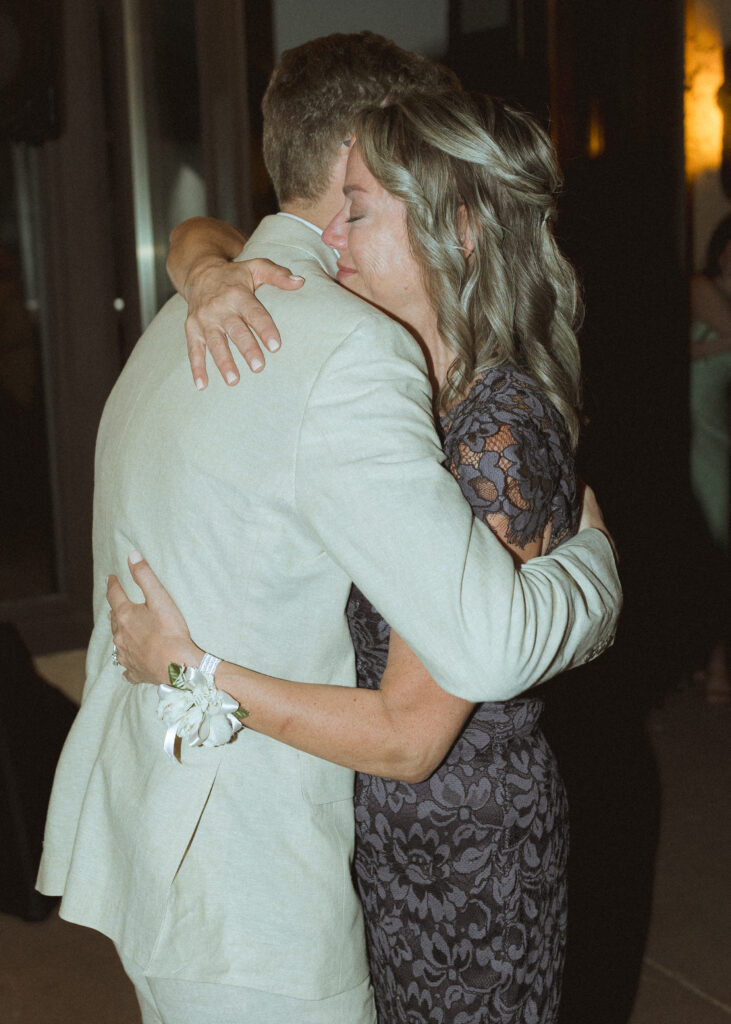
467, 162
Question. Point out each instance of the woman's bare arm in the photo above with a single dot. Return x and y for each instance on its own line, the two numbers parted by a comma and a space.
220, 296
403, 730
196, 240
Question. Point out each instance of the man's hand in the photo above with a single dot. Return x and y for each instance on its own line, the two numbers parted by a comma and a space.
222, 307
592, 518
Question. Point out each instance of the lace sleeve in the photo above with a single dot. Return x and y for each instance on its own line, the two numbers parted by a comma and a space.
509, 451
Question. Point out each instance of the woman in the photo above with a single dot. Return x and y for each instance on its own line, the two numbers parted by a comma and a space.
710, 379
446, 226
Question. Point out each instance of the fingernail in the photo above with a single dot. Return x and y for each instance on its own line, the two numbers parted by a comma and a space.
272, 344
256, 364
295, 277
231, 377
199, 383
135, 557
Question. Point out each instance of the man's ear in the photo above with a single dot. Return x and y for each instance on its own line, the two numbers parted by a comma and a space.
466, 238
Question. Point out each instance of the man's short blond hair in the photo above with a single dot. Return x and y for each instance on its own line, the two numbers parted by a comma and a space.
317, 90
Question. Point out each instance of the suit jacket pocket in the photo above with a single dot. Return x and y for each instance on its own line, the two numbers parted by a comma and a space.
324, 783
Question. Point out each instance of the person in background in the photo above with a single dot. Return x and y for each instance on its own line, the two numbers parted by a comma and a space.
710, 384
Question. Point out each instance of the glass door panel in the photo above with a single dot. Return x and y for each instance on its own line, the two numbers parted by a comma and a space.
28, 565
165, 134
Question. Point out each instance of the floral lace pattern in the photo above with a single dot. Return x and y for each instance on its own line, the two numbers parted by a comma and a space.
463, 877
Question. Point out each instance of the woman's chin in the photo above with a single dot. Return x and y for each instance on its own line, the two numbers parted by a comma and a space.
352, 285
350, 281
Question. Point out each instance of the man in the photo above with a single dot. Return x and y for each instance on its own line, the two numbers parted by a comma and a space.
224, 878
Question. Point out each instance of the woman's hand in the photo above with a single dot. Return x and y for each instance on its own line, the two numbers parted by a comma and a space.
222, 308
220, 296
716, 345
148, 636
591, 516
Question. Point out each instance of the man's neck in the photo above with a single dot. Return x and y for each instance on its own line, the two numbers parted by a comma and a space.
302, 220
315, 213
321, 211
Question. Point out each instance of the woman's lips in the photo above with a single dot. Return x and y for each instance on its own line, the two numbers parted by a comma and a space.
344, 273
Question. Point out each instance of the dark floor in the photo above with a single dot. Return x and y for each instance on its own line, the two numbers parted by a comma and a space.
56, 973
686, 977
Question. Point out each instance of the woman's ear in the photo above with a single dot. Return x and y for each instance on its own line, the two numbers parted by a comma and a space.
466, 238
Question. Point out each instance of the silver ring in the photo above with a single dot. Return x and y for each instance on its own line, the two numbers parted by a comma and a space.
115, 656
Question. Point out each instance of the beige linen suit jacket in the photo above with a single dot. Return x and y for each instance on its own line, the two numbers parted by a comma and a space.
257, 506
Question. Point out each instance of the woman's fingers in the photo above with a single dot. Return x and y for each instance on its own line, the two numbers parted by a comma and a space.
220, 349
151, 633
118, 603
255, 315
152, 589
145, 578
197, 356
116, 597
225, 311
265, 271
235, 330
167, 617
591, 515
206, 330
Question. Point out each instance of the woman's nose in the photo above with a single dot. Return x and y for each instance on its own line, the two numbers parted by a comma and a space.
334, 233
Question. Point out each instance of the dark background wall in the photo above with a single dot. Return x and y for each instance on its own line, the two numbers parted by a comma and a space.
618, 66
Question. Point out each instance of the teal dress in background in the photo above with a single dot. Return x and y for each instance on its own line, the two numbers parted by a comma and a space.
710, 379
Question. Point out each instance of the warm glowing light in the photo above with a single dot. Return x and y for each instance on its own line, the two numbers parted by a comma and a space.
596, 141
703, 77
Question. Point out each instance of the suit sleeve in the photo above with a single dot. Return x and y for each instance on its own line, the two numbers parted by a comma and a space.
370, 484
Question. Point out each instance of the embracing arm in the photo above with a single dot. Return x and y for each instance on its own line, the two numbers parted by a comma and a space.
219, 291
198, 239
404, 533
402, 731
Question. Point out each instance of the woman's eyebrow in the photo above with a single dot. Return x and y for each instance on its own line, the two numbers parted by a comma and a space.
347, 189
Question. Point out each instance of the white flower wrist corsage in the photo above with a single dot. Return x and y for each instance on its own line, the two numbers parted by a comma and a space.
193, 708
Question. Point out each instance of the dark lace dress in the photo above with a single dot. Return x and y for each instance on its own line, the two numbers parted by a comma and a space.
463, 877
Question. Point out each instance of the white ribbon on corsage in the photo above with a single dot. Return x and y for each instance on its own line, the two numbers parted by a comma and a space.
193, 708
